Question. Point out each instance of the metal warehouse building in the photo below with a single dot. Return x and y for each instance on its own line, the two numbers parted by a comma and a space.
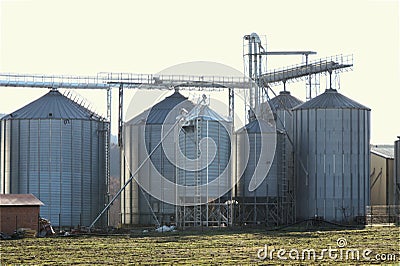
383, 185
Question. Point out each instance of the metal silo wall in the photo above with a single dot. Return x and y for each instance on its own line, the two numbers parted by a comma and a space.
271, 203
129, 162
284, 122
62, 162
164, 211
142, 134
332, 165
269, 187
5, 156
137, 206
189, 144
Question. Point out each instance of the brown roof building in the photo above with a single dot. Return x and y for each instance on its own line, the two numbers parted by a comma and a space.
382, 175
19, 211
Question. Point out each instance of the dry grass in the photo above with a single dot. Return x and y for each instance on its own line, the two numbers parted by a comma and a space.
196, 248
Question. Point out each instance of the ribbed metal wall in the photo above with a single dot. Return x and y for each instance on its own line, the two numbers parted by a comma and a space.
130, 160
136, 204
270, 187
332, 134
282, 106
206, 124
59, 160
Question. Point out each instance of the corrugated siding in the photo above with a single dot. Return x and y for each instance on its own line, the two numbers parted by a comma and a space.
5, 155
54, 161
129, 161
44, 169
94, 186
61, 162
66, 172
333, 146
86, 173
77, 145
189, 145
164, 211
134, 206
126, 160
34, 166
24, 156
271, 185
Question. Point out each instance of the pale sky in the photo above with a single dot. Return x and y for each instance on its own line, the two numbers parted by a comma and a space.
87, 37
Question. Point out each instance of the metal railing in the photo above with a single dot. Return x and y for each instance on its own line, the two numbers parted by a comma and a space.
300, 71
105, 80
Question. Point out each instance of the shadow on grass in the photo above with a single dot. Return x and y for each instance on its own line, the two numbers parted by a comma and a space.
307, 226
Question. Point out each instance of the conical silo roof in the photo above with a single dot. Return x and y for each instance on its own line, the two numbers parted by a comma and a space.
331, 99
53, 105
205, 112
158, 113
256, 126
284, 101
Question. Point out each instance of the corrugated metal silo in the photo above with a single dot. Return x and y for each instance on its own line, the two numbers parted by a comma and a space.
135, 202
263, 205
203, 122
55, 149
332, 134
282, 106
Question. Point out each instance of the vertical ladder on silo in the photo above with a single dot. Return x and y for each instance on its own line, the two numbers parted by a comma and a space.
179, 209
107, 162
197, 176
289, 176
107, 139
285, 190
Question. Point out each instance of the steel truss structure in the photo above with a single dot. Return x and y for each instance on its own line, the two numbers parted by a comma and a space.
216, 213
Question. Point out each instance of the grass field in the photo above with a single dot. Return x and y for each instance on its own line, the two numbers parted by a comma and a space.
229, 247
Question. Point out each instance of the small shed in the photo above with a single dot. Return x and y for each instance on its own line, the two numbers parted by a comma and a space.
382, 175
19, 211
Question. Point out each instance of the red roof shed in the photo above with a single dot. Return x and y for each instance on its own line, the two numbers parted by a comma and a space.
19, 211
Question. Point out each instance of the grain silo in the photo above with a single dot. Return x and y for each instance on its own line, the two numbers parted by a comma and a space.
203, 164
267, 204
55, 149
141, 135
332, 134
282, 106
